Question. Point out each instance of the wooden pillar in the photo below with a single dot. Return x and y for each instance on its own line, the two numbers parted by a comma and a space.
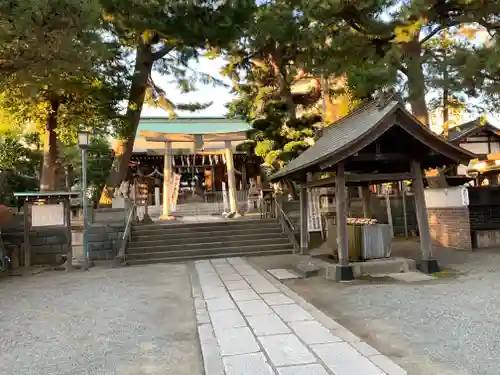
69, 243
231, 179
429, 264
244, 182
27, 229
212, 170
344, 271
304, 229
167, 166
366, 198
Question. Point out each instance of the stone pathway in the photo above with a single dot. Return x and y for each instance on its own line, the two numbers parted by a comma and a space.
250, 324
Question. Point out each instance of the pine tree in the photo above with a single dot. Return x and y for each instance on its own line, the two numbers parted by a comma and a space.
57, 72
164, 35
394, 39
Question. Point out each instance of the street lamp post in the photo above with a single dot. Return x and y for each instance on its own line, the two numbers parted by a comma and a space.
83, 143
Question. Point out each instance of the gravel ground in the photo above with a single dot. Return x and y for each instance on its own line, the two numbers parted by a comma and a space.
127, 321
449, 326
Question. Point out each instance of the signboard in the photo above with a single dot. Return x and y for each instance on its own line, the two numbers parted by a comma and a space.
314, 214
47, 215
225, 199
175, 186
448, 197
142, 192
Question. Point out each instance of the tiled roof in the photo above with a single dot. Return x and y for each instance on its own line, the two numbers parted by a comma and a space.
365, 124
192, 125
469, 128
339, 135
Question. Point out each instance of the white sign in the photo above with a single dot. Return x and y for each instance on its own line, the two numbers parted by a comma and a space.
47, 215
174, 186
447, 197
313, 207
225, 199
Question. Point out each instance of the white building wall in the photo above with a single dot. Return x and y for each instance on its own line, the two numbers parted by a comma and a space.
447, 197
477, 148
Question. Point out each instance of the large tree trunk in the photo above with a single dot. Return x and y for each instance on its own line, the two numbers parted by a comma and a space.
48, 181
446, 91
416, 82
123, 152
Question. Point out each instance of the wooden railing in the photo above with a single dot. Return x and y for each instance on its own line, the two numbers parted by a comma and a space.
286, 226
127, 232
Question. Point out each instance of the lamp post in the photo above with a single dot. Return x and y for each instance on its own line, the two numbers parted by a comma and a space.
83, 143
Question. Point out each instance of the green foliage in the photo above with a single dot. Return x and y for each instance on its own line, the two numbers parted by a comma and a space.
46, 38
376, 45
58, 56
20, 158
20, 153
99, 163
402, 48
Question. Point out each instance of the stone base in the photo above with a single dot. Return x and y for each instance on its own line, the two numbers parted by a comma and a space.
79, 263
307, 269
147, 219
118, 202
167, 217
344, 273
231, 215
429, 266
119, 261
373, 267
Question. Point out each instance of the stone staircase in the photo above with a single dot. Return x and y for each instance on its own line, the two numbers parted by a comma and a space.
193, 209
177, 242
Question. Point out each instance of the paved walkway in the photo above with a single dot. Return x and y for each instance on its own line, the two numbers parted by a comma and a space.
250, 324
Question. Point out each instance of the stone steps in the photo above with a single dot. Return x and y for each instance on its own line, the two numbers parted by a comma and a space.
171, 236
154, 246
187, 239
219, 226
175, 242
223, 254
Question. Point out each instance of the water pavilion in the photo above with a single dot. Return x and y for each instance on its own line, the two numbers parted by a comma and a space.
377, 143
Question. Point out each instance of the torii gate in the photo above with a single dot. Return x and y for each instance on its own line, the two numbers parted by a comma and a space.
201, 142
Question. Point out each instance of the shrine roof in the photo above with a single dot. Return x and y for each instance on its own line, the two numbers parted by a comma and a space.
362, 127
180, 130
192, 125
47, 194
471, 128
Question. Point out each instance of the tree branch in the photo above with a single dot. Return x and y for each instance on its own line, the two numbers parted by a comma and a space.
162, 52
436, 30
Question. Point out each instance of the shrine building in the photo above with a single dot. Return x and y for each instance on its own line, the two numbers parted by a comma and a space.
203, 151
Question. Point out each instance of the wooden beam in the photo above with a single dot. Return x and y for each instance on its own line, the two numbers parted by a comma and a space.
378, 177
319, 183
365, 177
370, 157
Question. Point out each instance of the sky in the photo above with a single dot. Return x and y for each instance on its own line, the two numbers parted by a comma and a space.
204, 93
